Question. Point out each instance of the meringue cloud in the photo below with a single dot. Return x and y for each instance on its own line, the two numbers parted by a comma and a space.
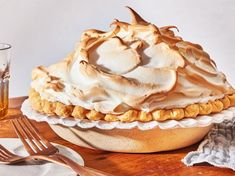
111, 56
134, 66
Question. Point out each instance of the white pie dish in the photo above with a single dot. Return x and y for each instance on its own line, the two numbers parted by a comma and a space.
135, 137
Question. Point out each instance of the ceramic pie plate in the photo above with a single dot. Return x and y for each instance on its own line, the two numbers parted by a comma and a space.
135, 137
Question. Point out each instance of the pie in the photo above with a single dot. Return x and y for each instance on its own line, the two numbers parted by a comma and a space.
135, 72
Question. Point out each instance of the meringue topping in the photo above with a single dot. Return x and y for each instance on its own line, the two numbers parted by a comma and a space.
134, 66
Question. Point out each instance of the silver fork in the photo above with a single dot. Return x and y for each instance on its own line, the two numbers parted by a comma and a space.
7, 157
35, 144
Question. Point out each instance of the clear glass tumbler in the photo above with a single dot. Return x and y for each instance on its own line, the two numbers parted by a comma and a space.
4, 77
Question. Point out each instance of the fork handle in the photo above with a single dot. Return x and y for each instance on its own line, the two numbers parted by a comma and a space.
81, 170
52, 159
66, 162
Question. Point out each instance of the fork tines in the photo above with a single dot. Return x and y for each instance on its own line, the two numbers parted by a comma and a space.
5, 154
29, 135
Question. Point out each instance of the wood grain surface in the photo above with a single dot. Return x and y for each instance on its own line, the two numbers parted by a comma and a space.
120, 164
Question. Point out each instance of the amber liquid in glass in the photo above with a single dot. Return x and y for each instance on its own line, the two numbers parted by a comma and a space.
4, 78
4, 86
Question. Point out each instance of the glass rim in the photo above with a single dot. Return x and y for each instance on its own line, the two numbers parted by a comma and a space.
4, 46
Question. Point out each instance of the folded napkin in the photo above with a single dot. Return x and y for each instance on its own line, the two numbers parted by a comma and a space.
218, 148
37, 168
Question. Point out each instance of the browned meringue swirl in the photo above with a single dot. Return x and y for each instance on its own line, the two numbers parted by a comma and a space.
134, 66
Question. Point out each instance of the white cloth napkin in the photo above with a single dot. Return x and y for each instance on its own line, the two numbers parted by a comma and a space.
218, 148
36, 168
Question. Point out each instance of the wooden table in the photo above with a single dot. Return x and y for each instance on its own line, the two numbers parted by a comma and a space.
120, 164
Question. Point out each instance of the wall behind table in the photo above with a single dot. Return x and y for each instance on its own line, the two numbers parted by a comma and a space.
43, 32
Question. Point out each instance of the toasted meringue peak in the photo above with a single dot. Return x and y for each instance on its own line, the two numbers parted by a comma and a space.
134, 66
136, 18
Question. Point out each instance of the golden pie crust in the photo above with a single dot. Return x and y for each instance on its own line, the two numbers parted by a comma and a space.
78, 112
